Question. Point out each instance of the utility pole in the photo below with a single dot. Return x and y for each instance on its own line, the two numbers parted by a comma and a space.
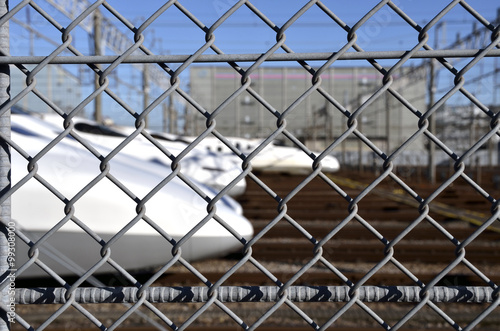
97, 51
168, 124
171, 114
432, 124
388, 123
145, 90
188, 118
432, 119
164, 123
32, 39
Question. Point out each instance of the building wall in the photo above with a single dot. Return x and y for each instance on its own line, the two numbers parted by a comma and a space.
55, 83
314, 119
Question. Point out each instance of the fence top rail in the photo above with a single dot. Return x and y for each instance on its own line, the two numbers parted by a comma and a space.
208, 58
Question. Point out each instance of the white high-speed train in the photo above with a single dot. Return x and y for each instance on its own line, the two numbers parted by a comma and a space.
273, 157
107, 207
212, 169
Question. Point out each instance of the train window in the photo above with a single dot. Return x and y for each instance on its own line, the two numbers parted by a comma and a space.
23, 131
98, 129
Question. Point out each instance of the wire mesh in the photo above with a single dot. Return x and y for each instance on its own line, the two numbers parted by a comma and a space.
141, 222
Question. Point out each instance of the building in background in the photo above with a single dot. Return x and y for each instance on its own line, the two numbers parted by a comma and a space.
55, 83
315, 120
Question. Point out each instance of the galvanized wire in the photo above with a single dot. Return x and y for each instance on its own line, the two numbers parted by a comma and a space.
285, 292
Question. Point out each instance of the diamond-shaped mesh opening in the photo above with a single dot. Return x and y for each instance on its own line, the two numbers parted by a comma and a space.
391, 240
315, 18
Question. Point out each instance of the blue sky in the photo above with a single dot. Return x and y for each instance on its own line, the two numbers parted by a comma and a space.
244, 32
313, 32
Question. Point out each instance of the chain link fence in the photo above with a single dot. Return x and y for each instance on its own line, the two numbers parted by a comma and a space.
68, 184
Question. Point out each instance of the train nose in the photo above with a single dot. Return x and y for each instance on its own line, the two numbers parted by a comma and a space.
330, 164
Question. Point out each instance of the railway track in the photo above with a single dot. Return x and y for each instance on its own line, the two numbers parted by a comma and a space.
353, 250
373, 251
356, 231
317, 201
354, 243
318, 209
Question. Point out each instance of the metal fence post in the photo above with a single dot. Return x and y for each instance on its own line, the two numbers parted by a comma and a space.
4, 169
